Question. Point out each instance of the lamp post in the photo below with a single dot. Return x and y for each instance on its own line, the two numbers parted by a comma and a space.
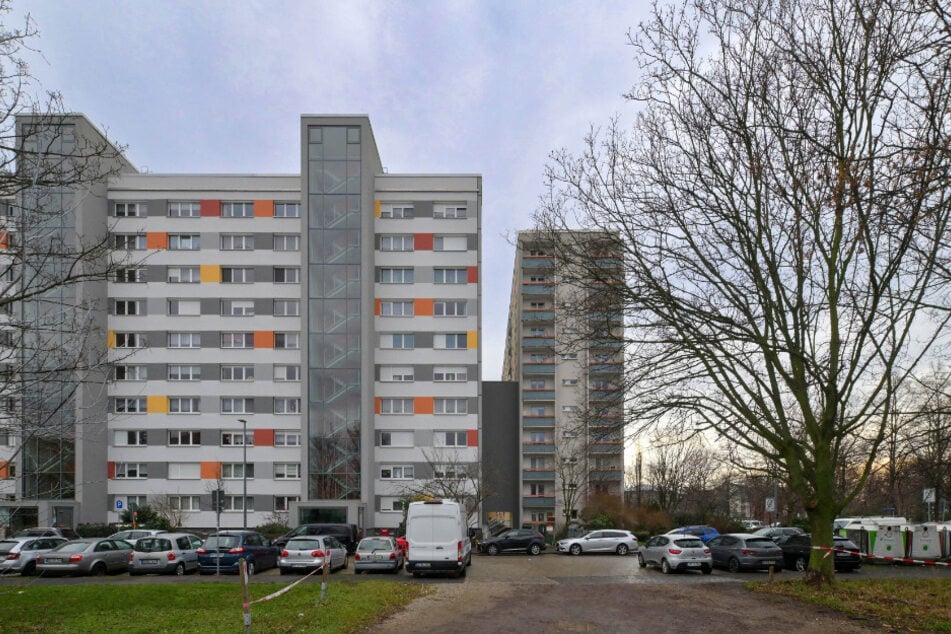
244, 471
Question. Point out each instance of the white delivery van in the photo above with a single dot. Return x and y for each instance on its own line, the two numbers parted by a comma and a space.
438, 538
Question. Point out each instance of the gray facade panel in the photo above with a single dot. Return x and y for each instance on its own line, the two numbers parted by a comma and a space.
156, 306
501, 467
423, 372
264, 241
158, 207
210, 306
423, 275
424, 340
158, 470
263, 306
156, 371
210, 372
264, 372
472, 242
155, 272
423, 438
423, 209
157, 438
263, 273
210, 340
264, 405
263, 469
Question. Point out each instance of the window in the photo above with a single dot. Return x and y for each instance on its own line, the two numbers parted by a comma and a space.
184, 275
450, 439
536, 489
538, 279
450, 341
538, 357
398, 341
129, 241
402, 308
287, 373
450, 243
237, 307
536, 332
283, 503
130, 373
397, 472
396, 276
287, 471
237, 242
449, 211
237, 210
449, 472
536, 305
184, 438
287, 340
125, 276
237, 373
129, 210
183, 502
391, 504
287, 406
570, 434
396, 439
396, 374
396, 243
450, 276
184, 242
126, 438
396, 211
569, 381
238, 503
286, 308
450, 308
450, 374
287, 439
570, 356
183, 405
131, 471
396, 406
184, 340
133, 502
450, 406
286, 275
236, 439
184, 373
130, 340
236, 470
286, 242
237, 405
184, 210
569, 409
287, 210
182, 307
237, 340
237, 275
537, 384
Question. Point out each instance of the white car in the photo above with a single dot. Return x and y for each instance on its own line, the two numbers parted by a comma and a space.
603, 541
307, 553
676, 552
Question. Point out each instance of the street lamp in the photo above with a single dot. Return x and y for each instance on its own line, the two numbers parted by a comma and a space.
244, 470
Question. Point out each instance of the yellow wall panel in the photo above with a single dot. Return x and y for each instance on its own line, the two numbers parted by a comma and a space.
376, 208
157, 404
210, 273
111, 339
472, 339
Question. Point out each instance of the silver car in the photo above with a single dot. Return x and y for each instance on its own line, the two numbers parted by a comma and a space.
18, 554
378, 553
672, 553
91, 556
603, 541
165, 553
304, 554
134, 534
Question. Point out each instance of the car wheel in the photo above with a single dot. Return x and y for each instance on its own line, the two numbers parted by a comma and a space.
622, 549
180, 569
534, 549
801, 563
283, 571
98, 569
250, 567
665, 567
416, 575
706, 569
492, 549
29, 569
640, 561
575, 549
734, 564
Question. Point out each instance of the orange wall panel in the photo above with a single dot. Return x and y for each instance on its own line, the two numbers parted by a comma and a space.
472, 437
210, 470
423, 405
376, 404
423, 242
263, 208
4, 240
377, 303
423, 306
263, 437
111, 470
263, 338
210, 208
4, 470
156, 240
472, 274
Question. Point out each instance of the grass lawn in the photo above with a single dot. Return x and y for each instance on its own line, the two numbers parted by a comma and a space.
200, 607
908, 605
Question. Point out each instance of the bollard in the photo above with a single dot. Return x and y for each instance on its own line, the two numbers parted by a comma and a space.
771, 567
325, 573
246, 597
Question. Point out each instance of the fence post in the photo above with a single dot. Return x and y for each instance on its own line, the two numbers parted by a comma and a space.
245, 595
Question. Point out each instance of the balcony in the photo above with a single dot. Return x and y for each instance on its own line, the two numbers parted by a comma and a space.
538, 475
537, 262
536, 316
541, 447
607, 475
538, 395
538, 288
538, 342
538, 502
538, 421
606, 447
604, 368
538, 368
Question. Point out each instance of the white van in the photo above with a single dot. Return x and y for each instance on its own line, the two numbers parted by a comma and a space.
438, 538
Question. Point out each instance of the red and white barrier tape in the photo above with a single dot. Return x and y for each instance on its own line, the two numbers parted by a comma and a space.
904, 560
275, 595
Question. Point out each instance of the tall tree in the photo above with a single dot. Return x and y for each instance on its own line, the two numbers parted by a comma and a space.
783, 203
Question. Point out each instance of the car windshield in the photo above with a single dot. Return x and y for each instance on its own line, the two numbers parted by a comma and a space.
222, 541
689, 543
376, 544
7, 546
73, 547
121, 535
761, 542
152, 545
846, 544
303, 544
32, 532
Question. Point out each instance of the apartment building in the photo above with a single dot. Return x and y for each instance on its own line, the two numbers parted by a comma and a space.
304, 347
562, 348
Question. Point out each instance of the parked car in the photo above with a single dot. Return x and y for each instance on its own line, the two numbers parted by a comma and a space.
90, 556
18, 554
517, 539
223, 551
134, 534
165, 553
346, 534
703, 533
378, 553
438, 538
48, 531
603, 541
798, 548
673, 553
742, 551
779, 534
312, 552
751, 524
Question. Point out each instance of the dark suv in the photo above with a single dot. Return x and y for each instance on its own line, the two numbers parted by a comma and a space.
798, 548
346, 534
519, 539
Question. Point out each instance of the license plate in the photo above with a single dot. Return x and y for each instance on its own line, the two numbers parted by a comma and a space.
52, 560
150, 562
769, 563
380, 557
693, 564
422, 565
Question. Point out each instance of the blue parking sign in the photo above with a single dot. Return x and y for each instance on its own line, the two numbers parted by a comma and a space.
118, 505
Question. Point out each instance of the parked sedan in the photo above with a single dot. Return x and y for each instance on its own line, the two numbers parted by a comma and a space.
742, 551
223, 552
166, 553
779, 534
673, 553
703, 533
134, 534
604, 541
91, 556
378, 553
18, 554
798, 548
304, 554
519, 539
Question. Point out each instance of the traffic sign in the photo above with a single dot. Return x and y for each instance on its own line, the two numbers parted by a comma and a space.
118, 505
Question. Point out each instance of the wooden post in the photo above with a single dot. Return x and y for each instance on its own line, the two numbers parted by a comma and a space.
325, 574
245, 595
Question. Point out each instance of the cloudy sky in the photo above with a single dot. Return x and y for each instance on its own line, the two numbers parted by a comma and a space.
465, 87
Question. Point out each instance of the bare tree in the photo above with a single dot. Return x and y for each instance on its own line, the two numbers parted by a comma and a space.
678, 469
782, 204
571, 473
452, 479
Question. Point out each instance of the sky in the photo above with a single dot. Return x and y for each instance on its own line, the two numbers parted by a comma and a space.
490, 88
